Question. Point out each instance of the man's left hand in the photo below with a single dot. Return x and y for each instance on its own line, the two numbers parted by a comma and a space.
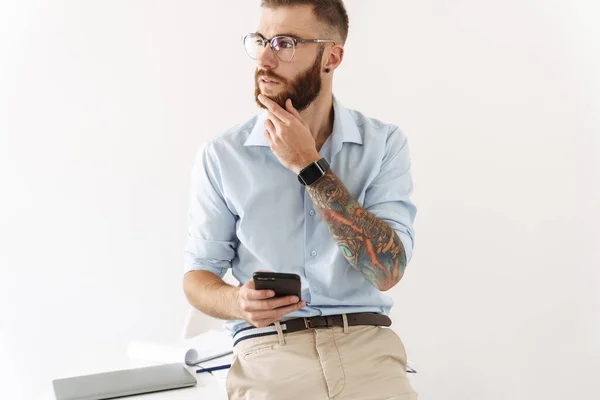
289, 135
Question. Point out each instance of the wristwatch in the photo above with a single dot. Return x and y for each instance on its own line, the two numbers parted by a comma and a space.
313, 172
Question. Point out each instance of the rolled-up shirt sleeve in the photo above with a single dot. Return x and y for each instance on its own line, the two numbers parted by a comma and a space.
211, 240
388, 195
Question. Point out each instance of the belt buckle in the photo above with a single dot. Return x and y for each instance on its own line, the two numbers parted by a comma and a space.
307, 323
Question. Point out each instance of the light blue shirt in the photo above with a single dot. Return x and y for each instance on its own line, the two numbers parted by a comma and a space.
248, 212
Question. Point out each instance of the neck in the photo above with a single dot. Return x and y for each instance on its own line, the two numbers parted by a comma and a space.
319, 117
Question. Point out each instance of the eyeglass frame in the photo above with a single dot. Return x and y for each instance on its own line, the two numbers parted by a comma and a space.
294, 40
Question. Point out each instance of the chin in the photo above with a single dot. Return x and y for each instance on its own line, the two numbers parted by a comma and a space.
271, 92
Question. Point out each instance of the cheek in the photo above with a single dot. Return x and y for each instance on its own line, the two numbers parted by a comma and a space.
287, 74
292, 71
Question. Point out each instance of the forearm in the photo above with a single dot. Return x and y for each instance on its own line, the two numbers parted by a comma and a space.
368, 243
211, 295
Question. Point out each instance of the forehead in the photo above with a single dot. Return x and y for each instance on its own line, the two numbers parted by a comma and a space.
297, 21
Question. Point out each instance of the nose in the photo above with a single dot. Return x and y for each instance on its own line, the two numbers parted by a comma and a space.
266, 58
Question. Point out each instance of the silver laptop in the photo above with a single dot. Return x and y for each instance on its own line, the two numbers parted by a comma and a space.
110, 385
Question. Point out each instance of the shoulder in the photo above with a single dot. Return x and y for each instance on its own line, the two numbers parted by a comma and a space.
373, 129
231, 140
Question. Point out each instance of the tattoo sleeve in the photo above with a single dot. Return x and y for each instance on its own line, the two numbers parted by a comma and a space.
368, 243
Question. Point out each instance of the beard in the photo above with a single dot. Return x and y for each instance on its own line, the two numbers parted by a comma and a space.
302, 91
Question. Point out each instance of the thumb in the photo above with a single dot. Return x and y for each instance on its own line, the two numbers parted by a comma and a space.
290, 108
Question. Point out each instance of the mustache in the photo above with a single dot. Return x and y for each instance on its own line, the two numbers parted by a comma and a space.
269, 75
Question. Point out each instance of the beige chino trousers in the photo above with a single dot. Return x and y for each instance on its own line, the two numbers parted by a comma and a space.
341, 363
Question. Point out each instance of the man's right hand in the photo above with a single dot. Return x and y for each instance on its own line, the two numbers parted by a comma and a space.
259, 308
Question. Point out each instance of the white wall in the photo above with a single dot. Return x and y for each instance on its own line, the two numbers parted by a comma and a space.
103, 104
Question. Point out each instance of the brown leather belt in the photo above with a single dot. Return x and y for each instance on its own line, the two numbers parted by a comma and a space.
299, 324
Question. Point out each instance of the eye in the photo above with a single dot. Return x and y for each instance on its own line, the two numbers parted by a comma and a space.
283, 43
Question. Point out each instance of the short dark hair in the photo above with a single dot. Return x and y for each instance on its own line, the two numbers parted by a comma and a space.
331, 12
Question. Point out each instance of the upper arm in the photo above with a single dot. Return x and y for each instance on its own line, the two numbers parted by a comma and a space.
388, 195
211, 240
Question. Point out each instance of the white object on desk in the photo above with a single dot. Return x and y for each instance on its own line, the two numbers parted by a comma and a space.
191, 351
207, 345
143, 354
207, 387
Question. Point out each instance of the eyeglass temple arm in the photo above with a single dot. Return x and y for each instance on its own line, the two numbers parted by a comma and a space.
314, 41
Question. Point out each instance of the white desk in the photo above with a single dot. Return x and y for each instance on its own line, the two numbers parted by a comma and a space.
208, 386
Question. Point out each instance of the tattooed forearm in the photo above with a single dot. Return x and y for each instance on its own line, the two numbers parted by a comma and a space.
367, 242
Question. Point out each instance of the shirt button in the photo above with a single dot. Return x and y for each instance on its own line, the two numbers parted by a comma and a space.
312, 212
313, 253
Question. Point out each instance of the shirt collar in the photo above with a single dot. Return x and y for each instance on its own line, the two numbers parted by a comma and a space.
344, 129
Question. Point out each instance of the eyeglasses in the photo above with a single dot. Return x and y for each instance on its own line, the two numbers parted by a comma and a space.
284, 47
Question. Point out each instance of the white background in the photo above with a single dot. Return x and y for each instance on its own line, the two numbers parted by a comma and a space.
104, 103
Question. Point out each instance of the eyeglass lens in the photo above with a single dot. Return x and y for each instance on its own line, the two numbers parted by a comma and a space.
282, 46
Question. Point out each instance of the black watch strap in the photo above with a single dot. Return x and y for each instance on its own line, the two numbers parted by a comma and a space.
313, 172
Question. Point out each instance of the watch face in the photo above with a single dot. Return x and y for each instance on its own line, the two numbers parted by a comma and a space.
313, 172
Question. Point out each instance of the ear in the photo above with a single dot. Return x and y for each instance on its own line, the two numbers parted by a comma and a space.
336, 55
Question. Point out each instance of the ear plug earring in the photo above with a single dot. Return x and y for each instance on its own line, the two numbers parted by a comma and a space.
327, 70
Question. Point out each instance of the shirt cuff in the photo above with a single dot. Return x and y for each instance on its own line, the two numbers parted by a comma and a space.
208, 265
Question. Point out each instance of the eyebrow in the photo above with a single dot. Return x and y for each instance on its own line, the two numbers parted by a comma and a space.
280, 34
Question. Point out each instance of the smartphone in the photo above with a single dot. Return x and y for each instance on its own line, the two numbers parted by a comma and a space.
282, 284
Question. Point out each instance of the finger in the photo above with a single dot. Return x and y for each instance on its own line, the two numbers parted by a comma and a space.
253, 295
249, 284
271, 304
290, 108
272, 124
250, 293
277, 314
283, 311
275, 122
273, 107
269, 138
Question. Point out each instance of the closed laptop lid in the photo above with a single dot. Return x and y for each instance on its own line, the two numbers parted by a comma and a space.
109, 385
